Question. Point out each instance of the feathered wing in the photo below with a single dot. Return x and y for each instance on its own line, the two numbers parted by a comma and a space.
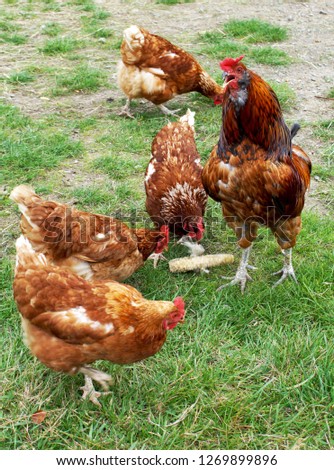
258, 183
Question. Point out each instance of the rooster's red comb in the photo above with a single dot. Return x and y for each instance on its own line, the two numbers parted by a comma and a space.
229, 62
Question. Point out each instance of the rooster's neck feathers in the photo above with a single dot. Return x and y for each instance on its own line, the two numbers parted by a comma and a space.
255, 114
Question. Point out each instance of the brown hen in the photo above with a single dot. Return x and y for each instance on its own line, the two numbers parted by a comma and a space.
91, 245
69, 322
175, 196
155, 69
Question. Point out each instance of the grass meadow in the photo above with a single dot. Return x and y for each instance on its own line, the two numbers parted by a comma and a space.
251, 371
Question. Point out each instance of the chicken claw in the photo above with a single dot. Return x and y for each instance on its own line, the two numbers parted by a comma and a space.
167, 111
125, 111
88, 389
241, 276
156, 258
287, 269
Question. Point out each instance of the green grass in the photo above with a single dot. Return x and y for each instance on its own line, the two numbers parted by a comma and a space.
118, 168
325, 173
16, 39
84, 5
94, 28
243, 372
100, 14
7, 26
285, 95
217, 45
59, 46
261, 364
254, 31
21, 77
29, 148
52, 29
173, 2
9, 33
270, 56
324, 130
51, 5
330, 93
82, 79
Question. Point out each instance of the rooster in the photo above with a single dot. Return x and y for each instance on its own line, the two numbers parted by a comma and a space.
93, 246
69, 322
155, 69
254, 171
175, 196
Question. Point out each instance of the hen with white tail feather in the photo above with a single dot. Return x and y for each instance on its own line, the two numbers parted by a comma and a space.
91, 245
155, 69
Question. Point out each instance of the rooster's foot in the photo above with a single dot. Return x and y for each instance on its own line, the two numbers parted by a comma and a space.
287, 269
156, 258
253, 268
125, 111
241, 278
90, 392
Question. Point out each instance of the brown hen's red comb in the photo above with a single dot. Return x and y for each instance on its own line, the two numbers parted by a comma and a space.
229, 62
179, 304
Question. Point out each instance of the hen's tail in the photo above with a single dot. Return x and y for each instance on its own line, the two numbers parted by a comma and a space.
24, 196
189, 117
25, 254
133, 37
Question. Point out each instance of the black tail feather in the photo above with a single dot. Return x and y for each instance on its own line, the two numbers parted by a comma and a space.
294, 129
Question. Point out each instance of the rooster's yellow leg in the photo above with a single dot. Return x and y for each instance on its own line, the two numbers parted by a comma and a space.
287, 269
